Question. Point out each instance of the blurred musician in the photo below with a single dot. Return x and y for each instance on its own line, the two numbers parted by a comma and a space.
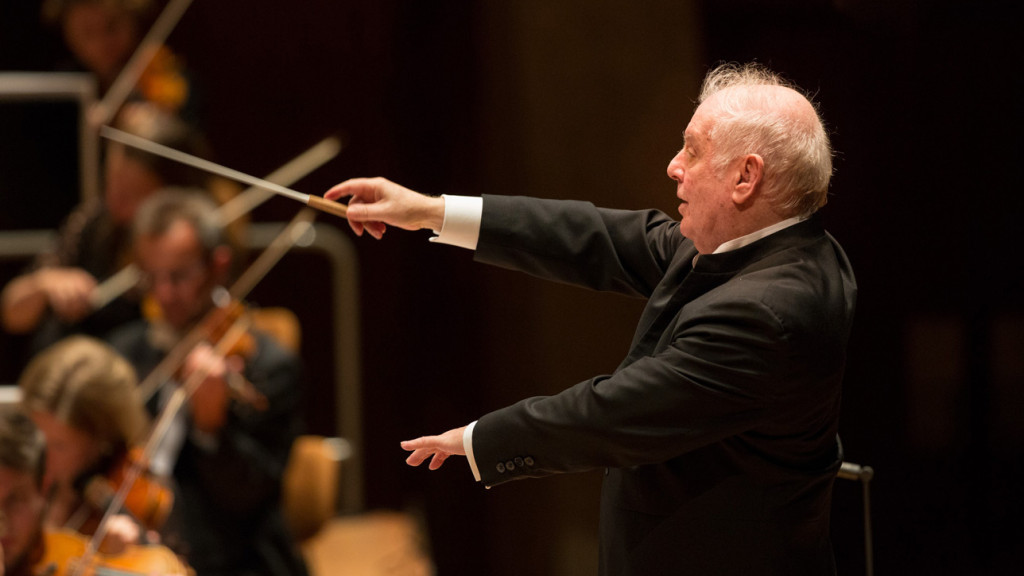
102, 35
52, 300
231, 455
82, 395
22, 504
34, 545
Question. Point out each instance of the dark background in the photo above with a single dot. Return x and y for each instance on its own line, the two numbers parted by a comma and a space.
588, 100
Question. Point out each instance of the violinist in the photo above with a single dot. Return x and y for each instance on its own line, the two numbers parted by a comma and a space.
229, 460
102, 35
52, 299
33, 546
82, 395
22, 504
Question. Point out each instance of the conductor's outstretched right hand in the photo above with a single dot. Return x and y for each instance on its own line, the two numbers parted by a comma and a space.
376, 203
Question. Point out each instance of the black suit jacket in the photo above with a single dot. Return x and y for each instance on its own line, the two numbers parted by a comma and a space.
718, 429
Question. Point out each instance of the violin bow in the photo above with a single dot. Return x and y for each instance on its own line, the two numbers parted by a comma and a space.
245, 202
136, 65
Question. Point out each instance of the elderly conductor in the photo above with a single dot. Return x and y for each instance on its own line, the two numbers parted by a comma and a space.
718, 431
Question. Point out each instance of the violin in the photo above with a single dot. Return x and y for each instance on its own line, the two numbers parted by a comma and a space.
148, 500
65, 554
226, 313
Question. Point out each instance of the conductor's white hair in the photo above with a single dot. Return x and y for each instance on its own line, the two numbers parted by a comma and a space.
753, 116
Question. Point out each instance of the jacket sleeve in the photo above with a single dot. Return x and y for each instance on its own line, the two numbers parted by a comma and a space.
717, 378
577, 243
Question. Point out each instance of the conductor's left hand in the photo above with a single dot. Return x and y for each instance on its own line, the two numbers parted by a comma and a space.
437, 448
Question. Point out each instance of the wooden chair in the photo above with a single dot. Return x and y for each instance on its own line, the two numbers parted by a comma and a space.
281, 324
310, 483
379, 543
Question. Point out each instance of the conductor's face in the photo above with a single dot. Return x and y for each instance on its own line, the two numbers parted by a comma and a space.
705, 207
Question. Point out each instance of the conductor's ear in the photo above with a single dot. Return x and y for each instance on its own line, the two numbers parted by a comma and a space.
748, 179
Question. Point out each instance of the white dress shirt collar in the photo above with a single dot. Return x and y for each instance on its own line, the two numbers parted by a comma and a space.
755, 236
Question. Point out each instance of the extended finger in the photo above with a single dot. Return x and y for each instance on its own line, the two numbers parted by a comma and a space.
423, 442
438, 460
418, 456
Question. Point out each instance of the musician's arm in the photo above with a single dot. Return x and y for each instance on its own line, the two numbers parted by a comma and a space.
25, 299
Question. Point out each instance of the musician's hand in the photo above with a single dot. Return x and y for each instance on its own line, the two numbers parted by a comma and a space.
67, 291
122, 532
209, 402
376, 203
437, 448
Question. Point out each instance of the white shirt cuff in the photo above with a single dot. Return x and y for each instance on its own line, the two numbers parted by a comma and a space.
461, 225
467, 445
